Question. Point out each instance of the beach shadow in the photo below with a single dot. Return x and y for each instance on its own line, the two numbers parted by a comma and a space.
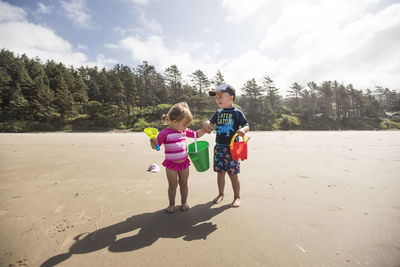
191, 225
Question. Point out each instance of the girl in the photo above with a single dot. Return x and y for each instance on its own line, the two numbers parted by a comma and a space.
176, 157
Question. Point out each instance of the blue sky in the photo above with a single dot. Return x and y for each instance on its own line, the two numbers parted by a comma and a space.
352, 41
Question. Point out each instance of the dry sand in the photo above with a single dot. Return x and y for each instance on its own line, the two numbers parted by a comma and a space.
308, 199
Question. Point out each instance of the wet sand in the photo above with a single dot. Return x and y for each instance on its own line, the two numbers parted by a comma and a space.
308, 199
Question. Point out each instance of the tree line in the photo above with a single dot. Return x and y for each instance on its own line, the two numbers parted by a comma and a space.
36, 96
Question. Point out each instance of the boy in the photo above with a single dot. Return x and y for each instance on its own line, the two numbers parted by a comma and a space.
229, 120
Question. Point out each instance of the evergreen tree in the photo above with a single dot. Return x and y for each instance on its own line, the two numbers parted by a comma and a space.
218, 79
143, 76
41, 97
273, 96
117, 88
295, 92
104, 86
173, 80
312, 92
131, 94
200, 81
91, 77
59, 80
325, 94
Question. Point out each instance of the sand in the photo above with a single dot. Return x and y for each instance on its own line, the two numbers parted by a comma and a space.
308, 199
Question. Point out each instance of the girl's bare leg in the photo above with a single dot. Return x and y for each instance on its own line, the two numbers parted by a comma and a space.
221, 186
183, 186
172, 177
236, 190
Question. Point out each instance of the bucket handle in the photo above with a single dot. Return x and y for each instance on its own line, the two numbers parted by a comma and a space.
195, 141
233, 140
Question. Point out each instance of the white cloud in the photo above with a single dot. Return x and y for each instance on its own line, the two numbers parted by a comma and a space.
145, 25
11, 13
342, 40
149, 24
141, 2
78, 13
241, 10
308, 41
22, 37
82, 47
37, 41
123, 31
43, 9
303, 17
102, 61
252, 64
154, 51
236, 70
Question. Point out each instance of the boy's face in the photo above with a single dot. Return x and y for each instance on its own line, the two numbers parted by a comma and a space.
224, 100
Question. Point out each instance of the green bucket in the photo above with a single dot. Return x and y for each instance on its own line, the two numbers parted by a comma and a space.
200, 159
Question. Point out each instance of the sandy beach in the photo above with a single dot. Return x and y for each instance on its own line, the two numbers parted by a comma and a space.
308, 199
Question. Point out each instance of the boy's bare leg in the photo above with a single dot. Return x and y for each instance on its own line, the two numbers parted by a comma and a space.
183, 186
172, 177
236, 190
221, 186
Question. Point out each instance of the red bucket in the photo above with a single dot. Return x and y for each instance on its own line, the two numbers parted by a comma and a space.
238, 149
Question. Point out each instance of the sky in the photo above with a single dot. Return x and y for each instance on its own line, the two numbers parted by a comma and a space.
352, 41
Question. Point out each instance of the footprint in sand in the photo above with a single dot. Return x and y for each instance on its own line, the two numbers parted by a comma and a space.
67, 241
62, 226
2, 212
22, 262
59, 208
334, 208
67, 223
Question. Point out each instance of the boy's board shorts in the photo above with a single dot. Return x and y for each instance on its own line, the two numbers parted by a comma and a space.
223, 161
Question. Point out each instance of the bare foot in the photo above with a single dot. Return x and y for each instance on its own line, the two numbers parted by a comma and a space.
185, 207
218, 199
170, 209
235, 203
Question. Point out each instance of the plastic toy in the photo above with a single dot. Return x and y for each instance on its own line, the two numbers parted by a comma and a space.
152, 133
238, 149
198, 153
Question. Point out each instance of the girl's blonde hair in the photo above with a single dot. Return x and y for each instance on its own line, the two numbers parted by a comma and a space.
178, 112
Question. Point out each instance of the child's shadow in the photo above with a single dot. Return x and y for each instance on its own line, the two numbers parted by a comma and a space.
191, 225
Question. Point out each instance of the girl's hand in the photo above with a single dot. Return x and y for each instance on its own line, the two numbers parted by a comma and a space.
153, 143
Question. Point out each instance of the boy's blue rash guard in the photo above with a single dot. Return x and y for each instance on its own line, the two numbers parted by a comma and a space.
228, 121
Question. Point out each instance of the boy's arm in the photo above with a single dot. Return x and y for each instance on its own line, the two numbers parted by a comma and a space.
207, 127
243, 131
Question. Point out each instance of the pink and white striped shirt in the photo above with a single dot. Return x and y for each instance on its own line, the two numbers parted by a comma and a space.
174, 143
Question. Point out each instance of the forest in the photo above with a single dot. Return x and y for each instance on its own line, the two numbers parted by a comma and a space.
37, 96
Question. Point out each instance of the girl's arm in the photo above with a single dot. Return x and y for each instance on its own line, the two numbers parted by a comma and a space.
153, 143
191, 133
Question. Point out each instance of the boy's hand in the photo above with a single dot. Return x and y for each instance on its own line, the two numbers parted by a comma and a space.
207, 127
241, 132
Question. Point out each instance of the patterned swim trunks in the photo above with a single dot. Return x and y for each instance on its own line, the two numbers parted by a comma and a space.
223, 161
